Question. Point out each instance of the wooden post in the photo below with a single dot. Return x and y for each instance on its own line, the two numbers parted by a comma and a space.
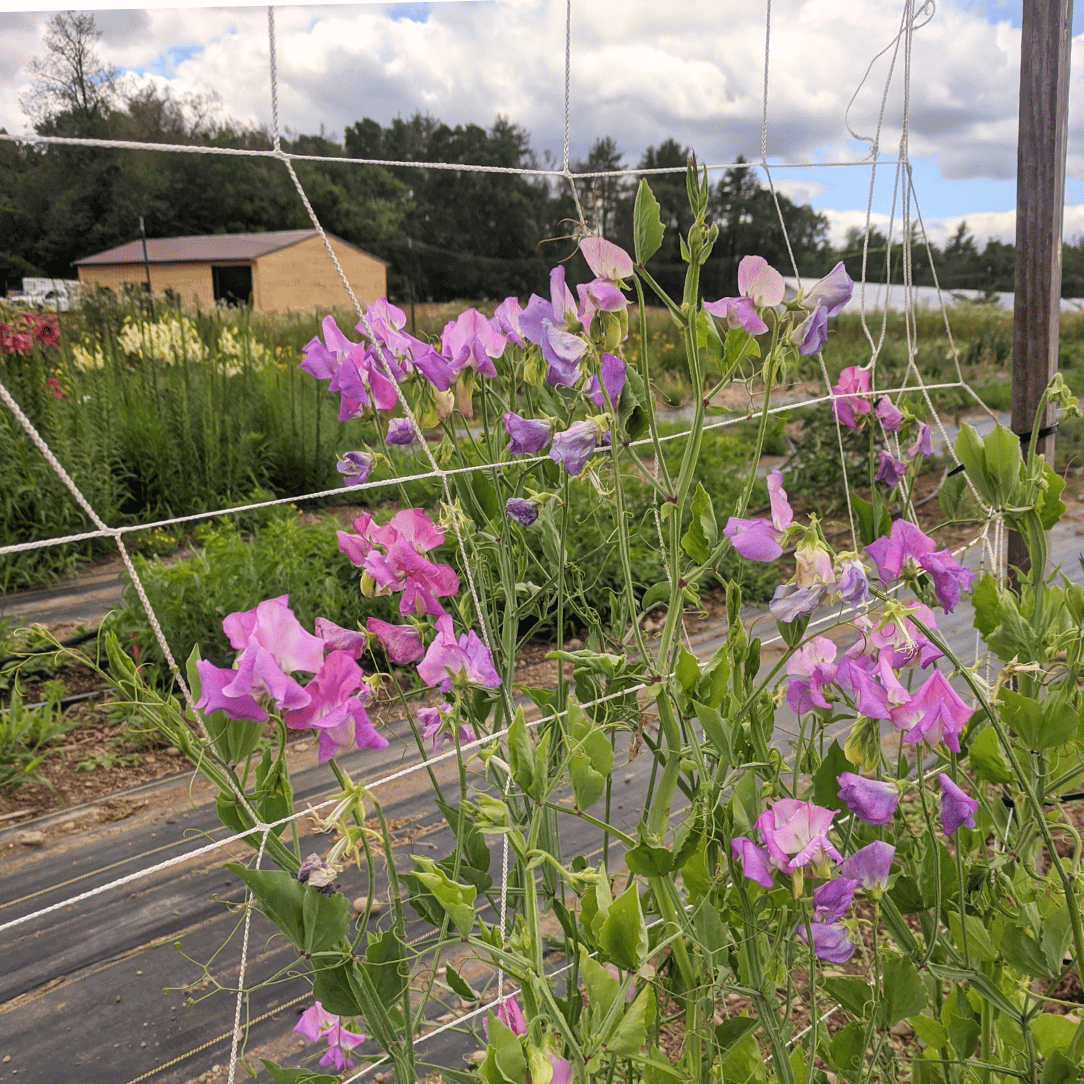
1040, 195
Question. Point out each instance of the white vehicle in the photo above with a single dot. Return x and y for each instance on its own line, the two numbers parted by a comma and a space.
59, 295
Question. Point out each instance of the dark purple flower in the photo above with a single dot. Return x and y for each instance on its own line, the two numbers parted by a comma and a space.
872, 800
957, 809
612, 369
950, 578
889, 469
573, 447
869, 866
754, 860
830, 941
812, 333
934, 714
923, 444
401, 431
832, 292
831, 899
890, 415
355, 467
528, 435
522, 510
737, 312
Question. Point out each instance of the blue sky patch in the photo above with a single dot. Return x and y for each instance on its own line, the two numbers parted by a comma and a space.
416, 13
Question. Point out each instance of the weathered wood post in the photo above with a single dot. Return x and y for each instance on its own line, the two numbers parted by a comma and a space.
1040, 195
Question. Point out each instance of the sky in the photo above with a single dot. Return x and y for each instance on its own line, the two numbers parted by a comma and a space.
641, 72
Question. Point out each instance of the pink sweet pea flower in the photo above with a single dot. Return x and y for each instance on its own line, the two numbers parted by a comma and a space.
923, 444
470, 341
934, 714
957, 807
401, 643
906, 544
506, 320
759, 539
213, 680
755, 861
810, 668
436, 727
795, 834
317, 1023
272, 625
889, 415
606, 260
760, 282
448, 658
847, 396
336, 638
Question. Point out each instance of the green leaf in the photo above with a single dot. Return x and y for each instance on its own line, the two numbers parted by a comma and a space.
984, 985
687, 670
711, 722
649, 861
456, 899
505, 1062
521, 758
631, 1031
1022, 951
590, 758
868, 531
1023, 715
953, 495
970, 452
459, 985
960, 1021
385, 964
903, 991
623, 936
855, 995
847, 1048
647, 228
283, 1075
655, 595
985, 599
703, 531
1052, 1032
731, 1032
1060, 721
825, 787
931, 1032
1004, 465
1048, 503
986, 759
1059, 1069
601, 986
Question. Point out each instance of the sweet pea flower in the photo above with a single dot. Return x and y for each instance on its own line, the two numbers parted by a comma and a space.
506, 320
401, 643
272, 625
848, 401
316, 872
934, 714
760, 282
447, 658
402, 431
238, 707
470, 341
871, 800
522, 509
612, 371
813, 562
889, 469
548, 325
435, 727
957, 808
790, 602
906, 544
355, 467
606, 260
336, 638
527, 435
864, 687
317, 1023
831, 293
737, 312
573, 447
852, 585
923, 444
869, 866
759, 539
755, 861
795, 835
888, 414
812, 333
811, 668
831, 942
831, 899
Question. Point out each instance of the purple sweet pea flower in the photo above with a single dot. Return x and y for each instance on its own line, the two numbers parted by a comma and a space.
446, 658
737, 312
401, 643
923, 444
355, 467
812, 333
871, 800
401, 431
522, 510
865, 689
950, 578
906, 543
599, 296
795, 834
510, 1014
848, 401
852, 585
547, 324
213, 680
831, 899
336, 638
832, 292
435, 727
573, 447
810, 668
759, 539
314, 871
830, 941
612, 369
755, 862
934, 714
528, 435
317, 1023
506, 320
470, 341
791, 602
870, 866
957, 808
760, 282
889, 469
889, 415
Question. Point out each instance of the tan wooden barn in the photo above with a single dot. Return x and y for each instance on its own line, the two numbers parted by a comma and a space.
281, 270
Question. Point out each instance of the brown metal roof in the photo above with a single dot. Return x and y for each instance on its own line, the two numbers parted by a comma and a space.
209, 249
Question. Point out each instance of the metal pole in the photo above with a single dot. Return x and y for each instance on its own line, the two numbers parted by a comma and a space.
146, 262
1045, 40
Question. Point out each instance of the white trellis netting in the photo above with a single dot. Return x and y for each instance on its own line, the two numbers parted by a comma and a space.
904, 219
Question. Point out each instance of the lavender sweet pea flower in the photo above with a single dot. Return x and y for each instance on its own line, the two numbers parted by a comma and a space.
923, 444
889, 415
317, 1023
759, 539
737, 312
506, 320
795, 834
812, 333
957, 809
852, 585
355, 467
870, 866
522, 510
934, 714
435, 730
612, 369
848, 401
528, 435
906, 543
831, 293
791, 602
401, 431
755, 862
889, 469
760, 282
831, 899
871, 800
573, 447
830, 941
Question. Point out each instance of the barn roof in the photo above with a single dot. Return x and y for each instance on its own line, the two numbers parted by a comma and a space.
207, 249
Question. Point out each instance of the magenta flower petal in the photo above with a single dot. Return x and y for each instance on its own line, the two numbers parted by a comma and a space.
848, 396
795, 834
950, 578
213, 680
737, 312
934, 714
401, 643
755, 539
755, 862
923, 444
905, 542
957, 807
888, 414
336, 638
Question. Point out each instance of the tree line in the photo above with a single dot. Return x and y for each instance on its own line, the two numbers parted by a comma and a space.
445, 232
